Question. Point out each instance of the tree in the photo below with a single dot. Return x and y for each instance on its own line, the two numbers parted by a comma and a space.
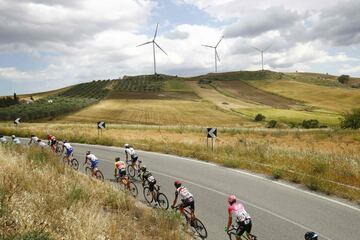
259, 117
351, 120
344, 79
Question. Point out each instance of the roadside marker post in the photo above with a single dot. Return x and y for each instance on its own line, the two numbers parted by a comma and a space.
211, 133
17, 122
100, 125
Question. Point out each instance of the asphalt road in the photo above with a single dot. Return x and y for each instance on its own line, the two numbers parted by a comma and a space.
279, 211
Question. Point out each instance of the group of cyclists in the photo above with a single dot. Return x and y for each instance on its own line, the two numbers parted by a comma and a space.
238, 217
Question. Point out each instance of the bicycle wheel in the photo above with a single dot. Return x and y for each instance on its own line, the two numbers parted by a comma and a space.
99, 175
131, 171
199, 228
133, 189
75, 164
147, 195
88, 171
163, 201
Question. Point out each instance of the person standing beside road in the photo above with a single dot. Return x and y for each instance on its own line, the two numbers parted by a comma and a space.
238, 213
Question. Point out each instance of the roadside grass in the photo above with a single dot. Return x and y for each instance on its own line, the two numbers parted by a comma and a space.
158, 112
322, 160
41, 199
331, 98
291, 116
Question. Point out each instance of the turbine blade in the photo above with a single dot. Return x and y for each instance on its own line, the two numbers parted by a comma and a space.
144, 44
219, 41
156, 30
160, 48
257, 49
267, 47
217, 55
207, 46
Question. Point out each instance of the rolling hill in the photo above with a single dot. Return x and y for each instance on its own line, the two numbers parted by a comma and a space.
221, 99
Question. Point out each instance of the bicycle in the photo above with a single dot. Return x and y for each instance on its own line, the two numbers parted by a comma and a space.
98, 174
73, 162
160, 198
196, 224
126, 184
58, 149
232, 232
132, 171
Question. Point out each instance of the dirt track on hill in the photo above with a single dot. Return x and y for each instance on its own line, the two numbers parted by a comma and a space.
244, 91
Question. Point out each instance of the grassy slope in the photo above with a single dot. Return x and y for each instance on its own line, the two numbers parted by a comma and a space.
42, 199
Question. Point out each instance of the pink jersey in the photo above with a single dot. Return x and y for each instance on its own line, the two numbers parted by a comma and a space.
237, 211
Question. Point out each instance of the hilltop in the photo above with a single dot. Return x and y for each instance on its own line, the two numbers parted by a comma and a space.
221, 99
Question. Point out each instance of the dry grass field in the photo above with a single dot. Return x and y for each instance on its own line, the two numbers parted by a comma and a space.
157, 112
331, 98
42, 199
326, 161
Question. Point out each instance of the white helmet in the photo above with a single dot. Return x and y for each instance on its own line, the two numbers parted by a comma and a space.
12, 136
126, 145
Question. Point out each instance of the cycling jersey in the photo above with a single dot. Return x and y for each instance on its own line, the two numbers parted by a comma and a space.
238, 212
69, 149
120, 165
147, 176
184, 193
93, 160
131, 152
3, 139
16, 141
34, 139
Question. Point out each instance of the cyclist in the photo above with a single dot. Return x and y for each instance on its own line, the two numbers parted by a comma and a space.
310, 236
69, 150
15, 140
237, 212
40, 143
33, 139
130, 152
120, 166
94, 161
52, 142
187, 199
147, 177
2, 139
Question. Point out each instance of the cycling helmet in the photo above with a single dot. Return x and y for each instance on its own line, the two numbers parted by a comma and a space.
32, 135
177, 184
310, 236
232, 199
143, 168
65, 141
12, 136
117, 159
126, 145
88, 152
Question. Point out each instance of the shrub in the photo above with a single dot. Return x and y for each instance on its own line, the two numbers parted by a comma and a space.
344, 79
351, 120
271, 124
259, 117
312, 123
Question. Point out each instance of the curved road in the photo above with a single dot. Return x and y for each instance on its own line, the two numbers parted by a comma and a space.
279, 211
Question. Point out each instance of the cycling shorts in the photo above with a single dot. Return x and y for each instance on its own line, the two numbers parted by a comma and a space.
94, 164
152, 185
69, 152
189, 202
122, 172
244, 226
134, 158
53, 142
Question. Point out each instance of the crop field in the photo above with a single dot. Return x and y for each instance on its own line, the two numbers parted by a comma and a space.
158, 112
94, 89
330, 98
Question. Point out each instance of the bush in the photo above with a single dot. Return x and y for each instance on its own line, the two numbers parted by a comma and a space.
259, 117
344, 79
351, 120
312, 123
271, 124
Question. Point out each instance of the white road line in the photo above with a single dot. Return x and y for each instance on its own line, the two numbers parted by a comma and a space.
237, 171
248, 203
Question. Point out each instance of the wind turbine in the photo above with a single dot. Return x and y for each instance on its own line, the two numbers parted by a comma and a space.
262, 55
217, 58
154, 43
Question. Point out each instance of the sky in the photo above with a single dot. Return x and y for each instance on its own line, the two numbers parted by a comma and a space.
48, 44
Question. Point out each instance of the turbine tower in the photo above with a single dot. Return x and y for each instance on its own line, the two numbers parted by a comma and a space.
154, 44
262, 55
217, 58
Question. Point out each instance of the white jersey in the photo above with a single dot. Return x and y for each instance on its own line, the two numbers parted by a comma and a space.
34, 139
16, 141
3, 140
131, 152
67, 146
184, 193
92, 157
